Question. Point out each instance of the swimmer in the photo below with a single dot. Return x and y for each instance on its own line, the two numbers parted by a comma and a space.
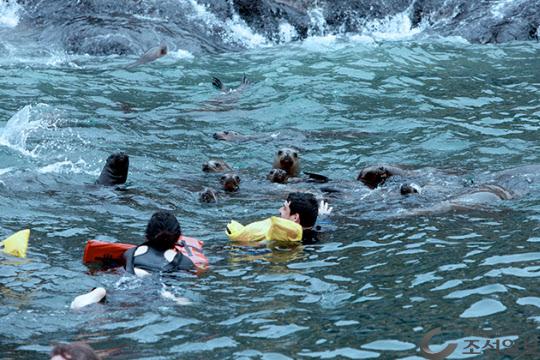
303, 209
158, 252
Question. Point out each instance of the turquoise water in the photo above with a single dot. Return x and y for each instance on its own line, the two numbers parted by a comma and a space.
374, 285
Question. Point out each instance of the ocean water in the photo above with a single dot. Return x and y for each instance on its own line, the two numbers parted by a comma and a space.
382, 275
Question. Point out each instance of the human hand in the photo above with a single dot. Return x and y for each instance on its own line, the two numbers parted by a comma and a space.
324, 208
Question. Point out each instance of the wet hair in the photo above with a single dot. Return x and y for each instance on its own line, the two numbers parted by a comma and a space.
74, 351
306, 206
162, 231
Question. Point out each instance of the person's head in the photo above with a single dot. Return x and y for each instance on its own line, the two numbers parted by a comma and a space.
302, 208
162, 231
75, 351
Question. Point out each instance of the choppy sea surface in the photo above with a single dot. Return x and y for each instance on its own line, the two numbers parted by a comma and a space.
378, 280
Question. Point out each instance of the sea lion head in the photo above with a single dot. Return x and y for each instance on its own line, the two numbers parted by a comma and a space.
163, 49
216, 166
412, 188
115, 171
277, 176
288, 160
208, 196
373, 176
230, 182
227, 135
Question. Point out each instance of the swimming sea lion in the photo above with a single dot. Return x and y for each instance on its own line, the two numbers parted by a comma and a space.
288, 160
208, 196
230, 182
230, 135
151, 55
373, 176
412, 188
215, 166
278, 176
218, 84
115, 171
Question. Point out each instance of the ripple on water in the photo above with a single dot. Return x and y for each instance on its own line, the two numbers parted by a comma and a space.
482, 308
347, 352
389, 345
483, 290
210, 345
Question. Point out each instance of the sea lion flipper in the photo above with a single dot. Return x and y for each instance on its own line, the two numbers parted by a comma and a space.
317, 177
245, 80
218, 84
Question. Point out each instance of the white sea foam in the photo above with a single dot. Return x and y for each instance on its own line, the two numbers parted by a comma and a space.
287, 33
318, 25
181, 54
5, 171
9, 13
234, 31
397, 27
498, 8
65, 167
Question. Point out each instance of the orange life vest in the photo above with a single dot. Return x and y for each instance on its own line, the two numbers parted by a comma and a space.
97, 251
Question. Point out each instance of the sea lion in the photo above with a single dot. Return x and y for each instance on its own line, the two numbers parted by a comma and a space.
151, 55
218, 84
412, 188
374, 176
279, 176
215, 166
227, 135
115, 171
208, 196
288, 160
230, 182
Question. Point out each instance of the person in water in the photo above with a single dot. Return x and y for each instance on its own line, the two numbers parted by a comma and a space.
158, 252
303, 209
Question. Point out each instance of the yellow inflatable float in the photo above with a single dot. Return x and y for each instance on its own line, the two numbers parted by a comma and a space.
274, 228
16, 244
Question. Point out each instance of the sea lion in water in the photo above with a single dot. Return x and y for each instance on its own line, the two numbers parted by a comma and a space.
228, 135
218, 84
288, 160
151, 55
278, 176
230, 182
374, 176
208, 196
115, 171
412, 188
215, 166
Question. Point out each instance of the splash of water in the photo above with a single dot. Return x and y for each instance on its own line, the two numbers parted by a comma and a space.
287, 33
17, 130
318, 25
498, 8
397, 27
9, 13
37, 129
233, 31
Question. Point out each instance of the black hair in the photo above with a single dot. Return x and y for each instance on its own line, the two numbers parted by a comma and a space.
74, 351
306, 206
162, 231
